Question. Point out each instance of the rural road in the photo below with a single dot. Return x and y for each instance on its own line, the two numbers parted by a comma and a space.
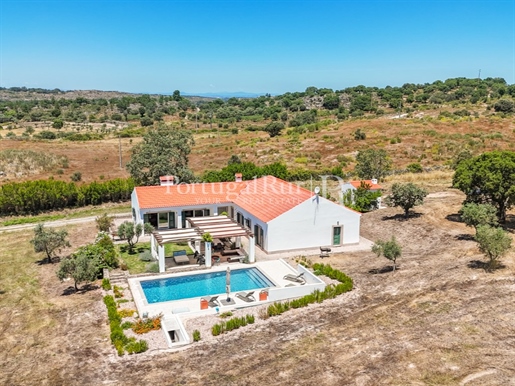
60, 223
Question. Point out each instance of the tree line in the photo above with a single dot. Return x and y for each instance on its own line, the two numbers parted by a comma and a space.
31, 197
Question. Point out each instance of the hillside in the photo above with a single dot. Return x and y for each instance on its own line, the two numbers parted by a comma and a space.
313, 130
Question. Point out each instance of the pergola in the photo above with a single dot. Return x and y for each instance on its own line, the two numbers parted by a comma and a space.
217, 226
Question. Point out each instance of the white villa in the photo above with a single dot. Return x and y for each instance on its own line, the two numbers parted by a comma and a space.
275, 215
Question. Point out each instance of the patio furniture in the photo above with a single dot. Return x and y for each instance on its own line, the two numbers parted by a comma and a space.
324, 252
212, 301
180, 257
246, 296
232, 259
295, 278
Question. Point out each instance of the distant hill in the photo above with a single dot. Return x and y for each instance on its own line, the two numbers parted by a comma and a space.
224, 94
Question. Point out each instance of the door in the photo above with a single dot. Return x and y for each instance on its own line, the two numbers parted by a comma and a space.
337, 235
163, 220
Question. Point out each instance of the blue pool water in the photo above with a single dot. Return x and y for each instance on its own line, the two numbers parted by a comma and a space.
194, 286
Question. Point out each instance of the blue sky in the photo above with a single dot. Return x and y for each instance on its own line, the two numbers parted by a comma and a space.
263, 46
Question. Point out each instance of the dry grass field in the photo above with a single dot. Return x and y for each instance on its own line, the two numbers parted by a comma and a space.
427, 140
437, 320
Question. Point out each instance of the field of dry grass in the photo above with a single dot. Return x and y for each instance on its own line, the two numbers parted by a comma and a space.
437, 320
428, 140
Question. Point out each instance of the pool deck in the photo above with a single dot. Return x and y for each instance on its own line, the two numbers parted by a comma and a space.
274, 270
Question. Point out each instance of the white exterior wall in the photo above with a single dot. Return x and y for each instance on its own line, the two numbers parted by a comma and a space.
309, 225
135, 208
253, 221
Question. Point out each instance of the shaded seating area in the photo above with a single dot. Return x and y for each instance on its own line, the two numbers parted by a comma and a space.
180, 257
222, 230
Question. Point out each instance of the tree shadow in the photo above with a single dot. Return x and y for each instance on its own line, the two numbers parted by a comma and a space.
385, 269
400, 216
134, 251
2, 292
81, 291
478, 264
45, 261
454, 217
465, 237
509, 225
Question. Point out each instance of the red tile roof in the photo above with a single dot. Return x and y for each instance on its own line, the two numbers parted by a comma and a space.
373, 186
266, 197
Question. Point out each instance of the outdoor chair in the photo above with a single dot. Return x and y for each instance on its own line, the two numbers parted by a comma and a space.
295, 278
246, 296
212, 301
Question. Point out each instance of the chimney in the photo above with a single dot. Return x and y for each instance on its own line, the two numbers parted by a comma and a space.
238, 177
374, 181
167, 180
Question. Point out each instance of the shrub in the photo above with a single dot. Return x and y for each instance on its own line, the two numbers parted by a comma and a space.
106, 284
196, 335
136, 347
126, 313
118, 292
414, 168
152, 268
126, 325
231, 324
76, 177
142, 326
146, 256
226, 314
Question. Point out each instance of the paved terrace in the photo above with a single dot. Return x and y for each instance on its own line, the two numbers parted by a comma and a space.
275, 270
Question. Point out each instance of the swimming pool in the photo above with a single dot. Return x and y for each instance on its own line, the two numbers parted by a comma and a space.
212, 283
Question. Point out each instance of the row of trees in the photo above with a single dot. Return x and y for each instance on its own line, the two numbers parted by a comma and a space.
17, 198
294, 107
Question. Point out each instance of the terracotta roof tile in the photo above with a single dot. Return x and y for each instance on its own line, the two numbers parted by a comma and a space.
266, 197
373, 186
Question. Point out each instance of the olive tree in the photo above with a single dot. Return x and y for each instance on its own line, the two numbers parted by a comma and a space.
475, 215
49, 240
81, 267
493, 242
389, 249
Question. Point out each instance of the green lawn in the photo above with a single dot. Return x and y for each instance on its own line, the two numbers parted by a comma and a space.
135, 265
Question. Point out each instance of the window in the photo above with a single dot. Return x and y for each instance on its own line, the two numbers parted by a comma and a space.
239, 218
258, 235
193, 213
247, 223
232, 212
222, 209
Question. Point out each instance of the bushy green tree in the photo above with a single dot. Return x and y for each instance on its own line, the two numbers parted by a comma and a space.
361, 199
274, 128
493, 242
389, 249
372, 163
488, 178
475, 215
163, 152
104, 222
49, 240
81, 267
406, 196
504, 106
